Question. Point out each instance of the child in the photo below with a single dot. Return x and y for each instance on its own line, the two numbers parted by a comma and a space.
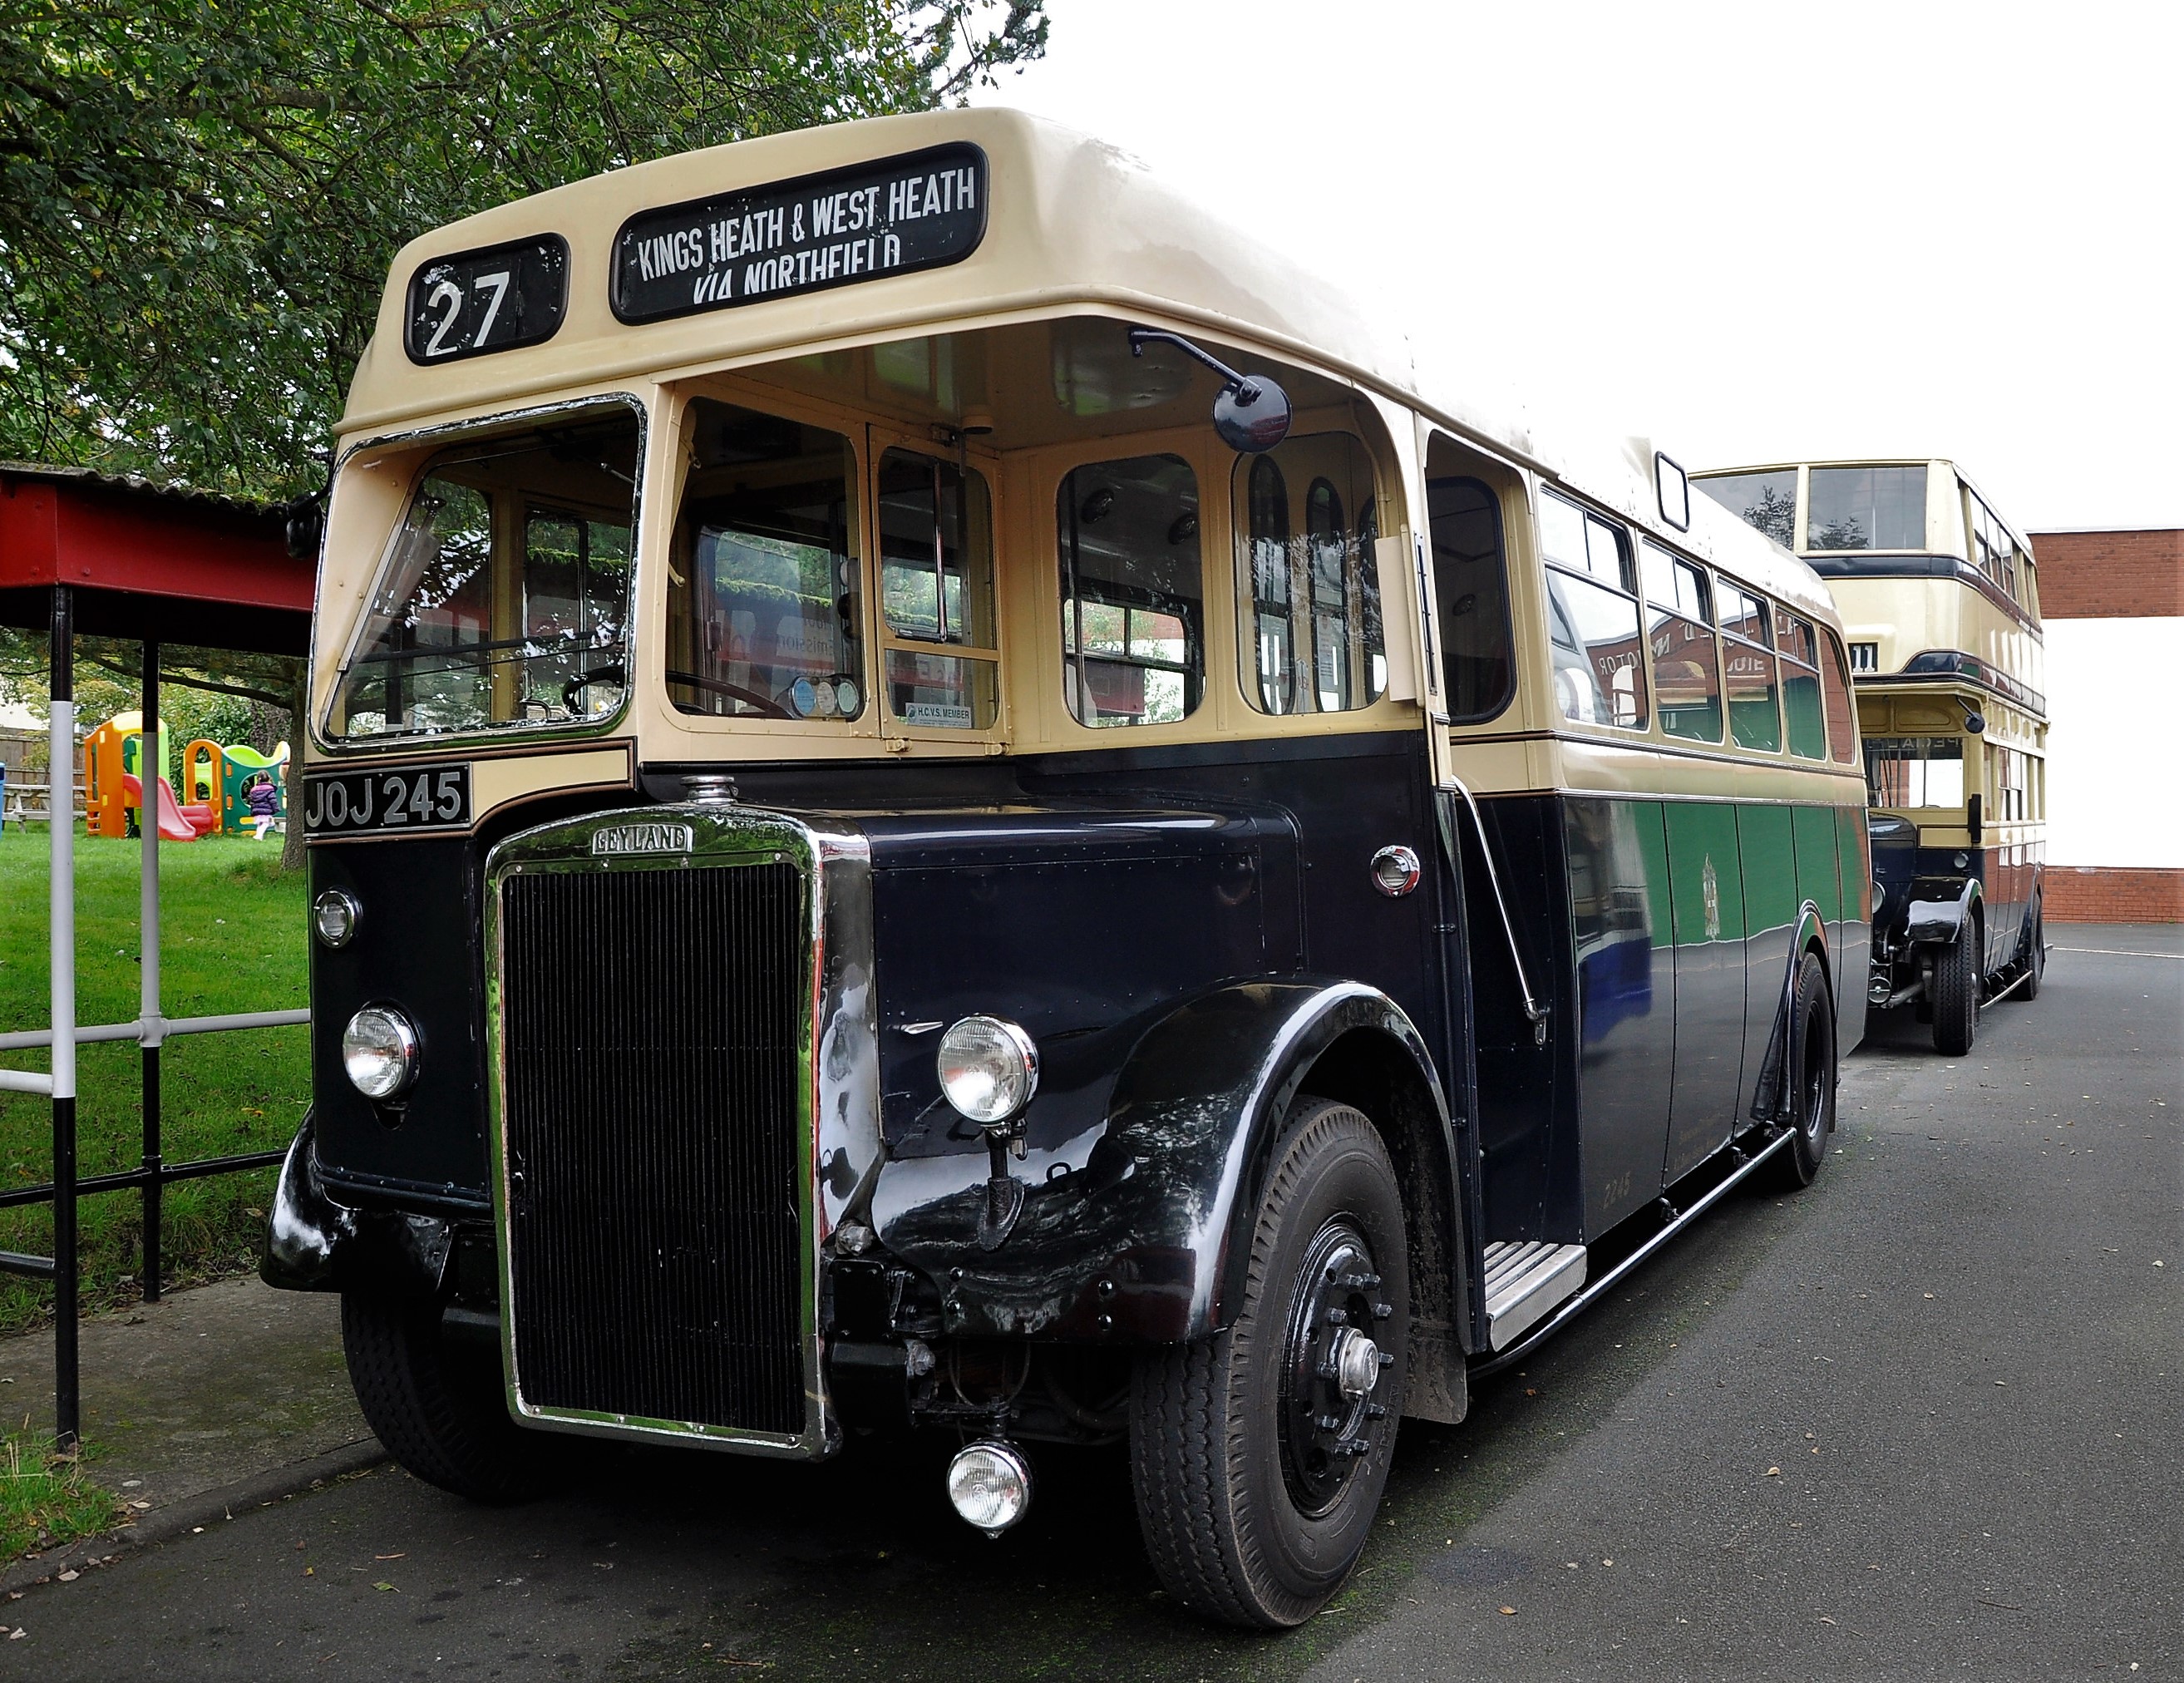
263, 801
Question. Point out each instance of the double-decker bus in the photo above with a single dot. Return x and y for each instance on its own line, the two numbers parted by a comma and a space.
941, 796
1941, 603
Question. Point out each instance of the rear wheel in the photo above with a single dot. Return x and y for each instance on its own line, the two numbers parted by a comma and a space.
1956, 992
2035, 957
1811, 1077
436, 1403
1259, 1455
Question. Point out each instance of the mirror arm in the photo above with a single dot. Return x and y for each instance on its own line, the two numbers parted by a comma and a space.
1247, 389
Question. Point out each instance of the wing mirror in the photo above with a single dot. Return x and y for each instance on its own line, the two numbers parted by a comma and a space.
1251, 413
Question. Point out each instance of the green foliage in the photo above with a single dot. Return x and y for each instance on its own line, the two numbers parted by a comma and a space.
46, 1500
199, 198
232, 939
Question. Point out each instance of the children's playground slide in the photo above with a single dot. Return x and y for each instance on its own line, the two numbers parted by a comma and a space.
176, 823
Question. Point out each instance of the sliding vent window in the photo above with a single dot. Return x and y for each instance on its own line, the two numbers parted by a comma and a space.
503, 601
1307, 514
1686, 654
1133, 603
1592, 618
937, 594
762, 595
1755, 718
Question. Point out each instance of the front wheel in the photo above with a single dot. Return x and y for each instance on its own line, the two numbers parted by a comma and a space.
1259, 1455
1956, 993
435, 1403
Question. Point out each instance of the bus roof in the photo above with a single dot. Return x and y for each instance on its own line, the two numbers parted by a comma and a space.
1074, 222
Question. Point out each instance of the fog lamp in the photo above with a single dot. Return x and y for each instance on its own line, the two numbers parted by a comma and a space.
990, 1484
334, 915
379, 1050
988, 1069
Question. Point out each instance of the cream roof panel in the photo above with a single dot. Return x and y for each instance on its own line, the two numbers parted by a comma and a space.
1070, 219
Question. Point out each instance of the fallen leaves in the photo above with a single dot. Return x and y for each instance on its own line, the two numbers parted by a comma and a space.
1510, 1611
1774, 1472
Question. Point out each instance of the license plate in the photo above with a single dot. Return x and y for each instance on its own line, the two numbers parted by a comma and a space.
389, 801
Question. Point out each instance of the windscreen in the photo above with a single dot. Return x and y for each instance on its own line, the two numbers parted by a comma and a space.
503, 601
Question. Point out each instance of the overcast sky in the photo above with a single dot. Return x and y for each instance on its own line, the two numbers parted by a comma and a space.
1752, 231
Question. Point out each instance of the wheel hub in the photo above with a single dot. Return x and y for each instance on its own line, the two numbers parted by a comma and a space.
1332, 1367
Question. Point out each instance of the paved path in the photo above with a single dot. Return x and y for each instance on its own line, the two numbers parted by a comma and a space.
1919, 1421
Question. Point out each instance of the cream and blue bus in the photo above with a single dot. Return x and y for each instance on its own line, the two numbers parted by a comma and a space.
943, 797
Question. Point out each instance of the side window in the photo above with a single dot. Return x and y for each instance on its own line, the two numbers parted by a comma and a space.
1687, 655
1133, 604
1471, 581
1801, 686
1836, 693
1755, 720
1593, 617
1312, 641
762, 602
1267, 557
936, 593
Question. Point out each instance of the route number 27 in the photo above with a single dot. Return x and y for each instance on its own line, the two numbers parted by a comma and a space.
450, 298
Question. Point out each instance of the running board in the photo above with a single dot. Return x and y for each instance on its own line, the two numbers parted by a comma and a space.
1750, 1164
1524, 1282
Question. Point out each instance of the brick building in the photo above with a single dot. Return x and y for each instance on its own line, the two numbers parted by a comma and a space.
2113, 604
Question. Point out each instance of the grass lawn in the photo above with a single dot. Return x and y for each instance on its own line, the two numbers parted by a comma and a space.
46, 1500
233, 940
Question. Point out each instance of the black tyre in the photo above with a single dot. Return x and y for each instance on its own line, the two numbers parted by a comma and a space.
435, 1402
1259, 1455
1812, 1077
2035, 957
1956, 993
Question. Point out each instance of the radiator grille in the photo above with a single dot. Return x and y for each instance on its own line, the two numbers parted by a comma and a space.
651, 1027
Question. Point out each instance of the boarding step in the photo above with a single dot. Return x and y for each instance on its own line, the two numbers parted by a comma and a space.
1525, 1279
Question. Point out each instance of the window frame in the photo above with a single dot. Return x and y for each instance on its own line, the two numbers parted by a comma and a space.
1628, 578
880, 633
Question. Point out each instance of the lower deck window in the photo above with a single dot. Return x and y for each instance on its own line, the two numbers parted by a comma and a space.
1132, 603
1905, 772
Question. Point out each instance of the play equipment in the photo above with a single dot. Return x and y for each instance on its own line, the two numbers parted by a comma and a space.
113, 760
221, 777
177, 823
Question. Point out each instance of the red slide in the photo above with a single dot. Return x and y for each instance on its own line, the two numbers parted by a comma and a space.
174, 824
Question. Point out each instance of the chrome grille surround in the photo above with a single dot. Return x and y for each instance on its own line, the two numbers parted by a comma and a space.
836, 1071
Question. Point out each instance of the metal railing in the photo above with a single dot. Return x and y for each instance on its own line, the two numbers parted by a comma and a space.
151, 1029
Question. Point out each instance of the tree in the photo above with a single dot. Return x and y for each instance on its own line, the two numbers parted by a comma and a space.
199, 198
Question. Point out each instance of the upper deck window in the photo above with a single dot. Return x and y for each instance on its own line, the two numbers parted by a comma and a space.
1471, 591
1686, 656
762, 583
1993, 549
1593, 617
1866, 508
1312, 639
1755, 717
1766, 502
503, 601
1132, 602
936, 588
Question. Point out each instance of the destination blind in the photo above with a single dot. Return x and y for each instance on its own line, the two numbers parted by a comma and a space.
892, 216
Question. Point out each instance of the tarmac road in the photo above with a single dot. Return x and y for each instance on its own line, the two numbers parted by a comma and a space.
1921, 1420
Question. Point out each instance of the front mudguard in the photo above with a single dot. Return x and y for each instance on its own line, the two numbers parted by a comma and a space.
1149, 1240
1939, 910
314, 1244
